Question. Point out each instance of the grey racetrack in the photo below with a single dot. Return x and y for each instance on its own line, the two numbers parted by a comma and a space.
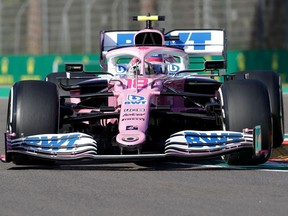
147, 189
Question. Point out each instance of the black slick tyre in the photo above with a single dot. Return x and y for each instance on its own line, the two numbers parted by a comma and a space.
272, 81
245, 104
33, 109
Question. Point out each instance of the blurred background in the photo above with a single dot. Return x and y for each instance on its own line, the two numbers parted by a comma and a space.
39, 36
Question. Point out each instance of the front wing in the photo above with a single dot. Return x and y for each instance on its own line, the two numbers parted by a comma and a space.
188, 144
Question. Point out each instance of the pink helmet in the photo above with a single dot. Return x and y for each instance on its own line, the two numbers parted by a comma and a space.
153, 65
158, 64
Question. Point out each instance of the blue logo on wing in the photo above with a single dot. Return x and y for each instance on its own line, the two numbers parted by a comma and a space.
125, 39
199, 39
54, 143
213, 138
183, 37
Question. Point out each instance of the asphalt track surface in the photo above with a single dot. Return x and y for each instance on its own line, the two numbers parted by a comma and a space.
198, 188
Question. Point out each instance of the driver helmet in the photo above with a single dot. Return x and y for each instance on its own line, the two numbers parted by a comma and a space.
157, 62
135, 66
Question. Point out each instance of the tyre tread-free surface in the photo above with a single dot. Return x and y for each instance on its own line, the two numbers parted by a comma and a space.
33, 109
272, 81
246, 105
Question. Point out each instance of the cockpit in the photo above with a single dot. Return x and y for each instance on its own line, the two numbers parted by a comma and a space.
146, 61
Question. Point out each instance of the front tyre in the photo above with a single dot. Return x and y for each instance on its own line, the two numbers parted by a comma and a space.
245, 104
272, 81
33, 109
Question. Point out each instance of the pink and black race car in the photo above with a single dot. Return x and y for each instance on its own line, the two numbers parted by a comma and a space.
157, 98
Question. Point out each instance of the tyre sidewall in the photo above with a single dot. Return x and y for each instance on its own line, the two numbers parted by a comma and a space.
245, 104
35, 108
272, 81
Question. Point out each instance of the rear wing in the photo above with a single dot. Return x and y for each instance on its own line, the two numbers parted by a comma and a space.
114, 39
204, 42
199, 42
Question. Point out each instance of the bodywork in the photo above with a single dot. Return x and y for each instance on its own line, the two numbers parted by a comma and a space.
119, 115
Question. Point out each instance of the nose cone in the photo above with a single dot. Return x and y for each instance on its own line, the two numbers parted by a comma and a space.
131, 140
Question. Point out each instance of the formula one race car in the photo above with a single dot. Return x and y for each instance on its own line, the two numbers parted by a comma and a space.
157, 98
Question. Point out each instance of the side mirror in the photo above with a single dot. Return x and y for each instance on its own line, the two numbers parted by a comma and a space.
74, 67
214, 65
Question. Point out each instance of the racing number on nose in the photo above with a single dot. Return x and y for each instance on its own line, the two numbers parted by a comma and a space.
142, 83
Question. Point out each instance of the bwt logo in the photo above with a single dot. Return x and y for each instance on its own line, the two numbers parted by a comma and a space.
197, 39
53, 142
195, 137
136, 99
173, 68
121, 69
